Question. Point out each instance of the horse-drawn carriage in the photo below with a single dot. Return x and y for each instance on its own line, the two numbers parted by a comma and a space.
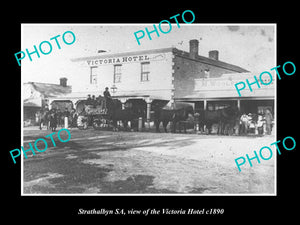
105, 113
93, 113
108, 113
87, 113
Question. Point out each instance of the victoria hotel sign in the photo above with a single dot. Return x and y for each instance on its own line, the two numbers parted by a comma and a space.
124, 59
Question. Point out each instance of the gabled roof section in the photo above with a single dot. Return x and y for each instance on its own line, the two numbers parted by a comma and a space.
50, 90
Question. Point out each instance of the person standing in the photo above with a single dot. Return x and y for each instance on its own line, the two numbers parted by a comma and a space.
260, 125
94, 102
66, 113
88, 100
106, 93
269, 119
53, 119
107, 96
73, 117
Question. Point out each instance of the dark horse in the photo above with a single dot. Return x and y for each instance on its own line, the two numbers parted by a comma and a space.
116, 113
222, 117
174, 115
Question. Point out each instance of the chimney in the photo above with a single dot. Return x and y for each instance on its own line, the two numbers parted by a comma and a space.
194, 45
63, 81
214, 54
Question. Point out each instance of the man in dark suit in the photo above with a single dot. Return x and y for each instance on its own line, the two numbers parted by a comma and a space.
106, 95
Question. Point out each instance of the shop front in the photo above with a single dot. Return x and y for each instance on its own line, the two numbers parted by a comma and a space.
218, 93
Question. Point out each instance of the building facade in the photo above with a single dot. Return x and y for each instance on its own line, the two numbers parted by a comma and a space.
170, 75
166, 76
215, 93
37, 96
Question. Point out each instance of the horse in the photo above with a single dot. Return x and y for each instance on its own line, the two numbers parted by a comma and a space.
225, 117
116, 113
228, 119
43, 118
174, 115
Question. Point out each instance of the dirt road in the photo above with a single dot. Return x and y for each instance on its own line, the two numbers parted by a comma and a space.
102, 162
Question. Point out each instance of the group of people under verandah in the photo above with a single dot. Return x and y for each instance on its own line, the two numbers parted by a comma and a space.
263, 125
56, 117
244, 124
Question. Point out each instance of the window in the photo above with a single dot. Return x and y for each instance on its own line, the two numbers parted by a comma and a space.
117, 73
145, 71
206, 73
93, 76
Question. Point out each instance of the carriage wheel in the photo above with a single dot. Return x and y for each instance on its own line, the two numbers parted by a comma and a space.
84, 126
82, 123
97, 124
81, 127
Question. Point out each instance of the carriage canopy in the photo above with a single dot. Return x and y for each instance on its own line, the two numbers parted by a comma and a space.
91, 107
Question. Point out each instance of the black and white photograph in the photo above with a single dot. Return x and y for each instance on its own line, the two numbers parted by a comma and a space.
149, 109
139, 110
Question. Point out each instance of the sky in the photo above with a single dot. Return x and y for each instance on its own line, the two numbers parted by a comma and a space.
251, 46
